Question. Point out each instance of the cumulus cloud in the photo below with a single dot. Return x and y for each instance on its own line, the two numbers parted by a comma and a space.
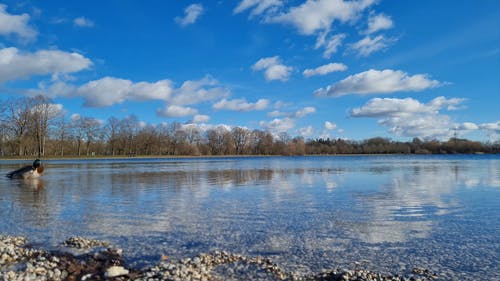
273, 69
177, 111
278, 125
378, 107
304, 111
330, 43
15, 24
296, 114
199, 118
378, 22
241, 105
491, 129
83, 22
411, 118
75, 117
306, 131
369, 45
191, 14
257, 7
325, 69
319, 15
109, 90
379, 82
330, 126
467, 126
197, 91
17, 65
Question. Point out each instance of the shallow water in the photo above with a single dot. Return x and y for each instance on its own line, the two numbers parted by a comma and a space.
388, 213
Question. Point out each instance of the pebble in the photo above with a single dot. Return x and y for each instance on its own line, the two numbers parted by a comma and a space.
107, 264
115, 271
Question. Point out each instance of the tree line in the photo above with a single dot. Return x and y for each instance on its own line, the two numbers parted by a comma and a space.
34, 126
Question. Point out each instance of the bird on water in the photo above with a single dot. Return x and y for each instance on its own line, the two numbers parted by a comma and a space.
28, 172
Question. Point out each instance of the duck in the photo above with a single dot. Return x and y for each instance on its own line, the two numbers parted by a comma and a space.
28, 172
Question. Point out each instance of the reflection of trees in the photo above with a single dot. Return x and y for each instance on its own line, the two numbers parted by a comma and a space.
268, 206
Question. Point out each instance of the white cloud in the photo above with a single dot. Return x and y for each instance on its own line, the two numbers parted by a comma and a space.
109, 90
492, 130
276, 113
192, 13
379, 22
177, 111
306, 131
197, 91
331, 44
390, 107
273, 69
330, 126
319, 15
304, 111
83, 22
56, 89
16, 65
278, 125
420, 125
241, 105
325, 69
379, 82
15, 24
382, 107
52, 109
369, 45
411, 118
198, 118
296, 114
75, 117
467, 126
257, 6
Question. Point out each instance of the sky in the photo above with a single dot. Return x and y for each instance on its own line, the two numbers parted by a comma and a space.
317, 68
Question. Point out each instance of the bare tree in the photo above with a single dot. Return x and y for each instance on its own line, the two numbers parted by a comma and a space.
43, 114
215, 140
91, 132
61, 132
241, 138
112, 130
18, 116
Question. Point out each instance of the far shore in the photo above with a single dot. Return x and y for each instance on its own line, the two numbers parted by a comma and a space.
104, 157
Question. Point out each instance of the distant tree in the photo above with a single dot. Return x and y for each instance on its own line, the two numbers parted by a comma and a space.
17, 119
241, 138
112, 129
43, 113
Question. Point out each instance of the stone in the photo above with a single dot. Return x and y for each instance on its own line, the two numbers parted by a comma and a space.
115, 271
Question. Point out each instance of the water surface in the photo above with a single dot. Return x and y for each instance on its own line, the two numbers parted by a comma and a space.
389, 213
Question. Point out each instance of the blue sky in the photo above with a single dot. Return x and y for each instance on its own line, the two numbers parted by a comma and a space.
316, 68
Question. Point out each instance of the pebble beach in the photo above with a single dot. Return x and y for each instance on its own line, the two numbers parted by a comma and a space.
91, 259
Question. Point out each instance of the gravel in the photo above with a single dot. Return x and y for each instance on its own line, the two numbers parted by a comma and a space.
20, 261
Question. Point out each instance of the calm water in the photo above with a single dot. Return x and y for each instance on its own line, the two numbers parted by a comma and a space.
390, 213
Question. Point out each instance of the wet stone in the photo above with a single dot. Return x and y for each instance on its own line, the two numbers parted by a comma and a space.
19, 262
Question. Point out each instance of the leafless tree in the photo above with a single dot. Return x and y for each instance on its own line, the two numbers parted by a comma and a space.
241, 138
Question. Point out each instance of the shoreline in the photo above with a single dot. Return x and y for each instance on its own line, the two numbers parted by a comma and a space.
88, 259
121, 157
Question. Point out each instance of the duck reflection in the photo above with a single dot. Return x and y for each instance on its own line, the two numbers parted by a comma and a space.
30, 184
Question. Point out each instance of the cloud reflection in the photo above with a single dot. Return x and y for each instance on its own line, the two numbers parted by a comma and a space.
270, 206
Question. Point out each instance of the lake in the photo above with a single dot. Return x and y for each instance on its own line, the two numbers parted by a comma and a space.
384, 213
